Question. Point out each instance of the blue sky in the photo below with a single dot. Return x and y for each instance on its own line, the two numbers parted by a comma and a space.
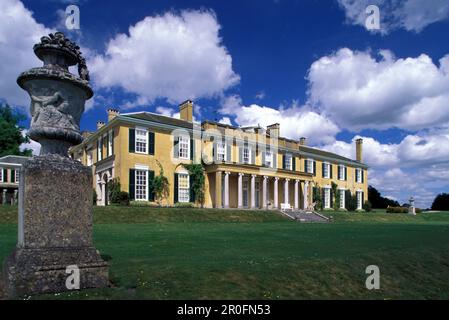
310, 65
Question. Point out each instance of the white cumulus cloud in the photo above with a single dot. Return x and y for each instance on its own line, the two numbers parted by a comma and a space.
359, 91
172, 56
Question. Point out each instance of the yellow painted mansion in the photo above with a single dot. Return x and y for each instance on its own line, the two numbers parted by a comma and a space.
246, 167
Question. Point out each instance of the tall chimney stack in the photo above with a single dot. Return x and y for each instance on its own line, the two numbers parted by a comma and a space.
274, 130
302, 141
112, 113
358, 149
186, 110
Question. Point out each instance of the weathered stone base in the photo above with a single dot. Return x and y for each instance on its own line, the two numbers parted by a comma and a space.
38, 271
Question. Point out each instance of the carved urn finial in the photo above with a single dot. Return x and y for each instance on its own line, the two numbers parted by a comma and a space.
57, 96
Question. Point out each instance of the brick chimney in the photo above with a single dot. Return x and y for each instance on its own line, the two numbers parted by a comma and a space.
274, 130
358, 149
302, 141
186, 110
112, 113
100, 124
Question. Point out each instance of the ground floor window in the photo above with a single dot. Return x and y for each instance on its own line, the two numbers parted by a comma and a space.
342, 199
183, 188
141, 185
359, 200
327, 198
245, 192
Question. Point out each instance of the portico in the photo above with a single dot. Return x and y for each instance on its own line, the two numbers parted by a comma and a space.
253, 187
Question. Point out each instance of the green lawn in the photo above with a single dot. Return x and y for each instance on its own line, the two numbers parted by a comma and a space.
226, 254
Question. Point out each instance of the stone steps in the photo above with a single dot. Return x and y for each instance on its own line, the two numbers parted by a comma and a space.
305, 216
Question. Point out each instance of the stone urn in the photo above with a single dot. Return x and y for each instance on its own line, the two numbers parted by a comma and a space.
57, 96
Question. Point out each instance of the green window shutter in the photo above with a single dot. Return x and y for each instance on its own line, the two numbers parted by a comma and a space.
294, 163
151, 143
275, 160
5, 175
331, 173
107, 144
192, 148
314, 167
175, 191
253, 154
132, 184
101, 149
214, 151
362, 172
228, 151
263, 159
150, 185
363, 198
322, 169
240, 155
346, 173
112, 142
132, 140
192, 192
283, 161
355, 175
176, 147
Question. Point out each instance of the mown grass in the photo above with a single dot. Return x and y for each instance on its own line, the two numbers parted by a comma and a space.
221, 254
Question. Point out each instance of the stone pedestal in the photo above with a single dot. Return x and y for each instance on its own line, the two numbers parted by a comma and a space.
55, 229
412, 210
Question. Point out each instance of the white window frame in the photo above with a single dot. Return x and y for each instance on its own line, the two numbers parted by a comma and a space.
359, 200
16, 176
141, 190
290, 161
342, 198
327, 166
1, 174
184, 147
327, 197
309, 166
141, 141
269, 159
89, 158
183, 187
110, 137
221, 151
99, 149
342, 170
247, 150
358, 175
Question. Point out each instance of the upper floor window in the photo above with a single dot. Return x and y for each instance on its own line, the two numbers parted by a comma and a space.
269, 159
110, 142
16, 176
183, 187
1, 175
89, 158
221, 151
309, 166
288, 162
141, 141
184, 147
246, 154
341, 172
99, 149
326, 170
358, 175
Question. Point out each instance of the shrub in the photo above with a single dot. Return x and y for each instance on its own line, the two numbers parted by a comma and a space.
317, 198
397, 210
184, 205
160, 185
123, 198
94, 197
114, 191
350, 201
367, 206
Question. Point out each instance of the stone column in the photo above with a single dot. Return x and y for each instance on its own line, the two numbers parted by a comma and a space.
55, 192
240, 191
264, 192
226, 190
253, 191
276, 201
296, 195
306, 195
16, 194
286, 200
4, 197
218, 193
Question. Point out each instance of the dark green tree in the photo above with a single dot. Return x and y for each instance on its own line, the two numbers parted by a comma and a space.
379, 202
11, 132
441, 202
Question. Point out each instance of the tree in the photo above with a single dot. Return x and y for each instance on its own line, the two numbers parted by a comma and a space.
160, 185
11, 132
441, 202
379, 202
196, 172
